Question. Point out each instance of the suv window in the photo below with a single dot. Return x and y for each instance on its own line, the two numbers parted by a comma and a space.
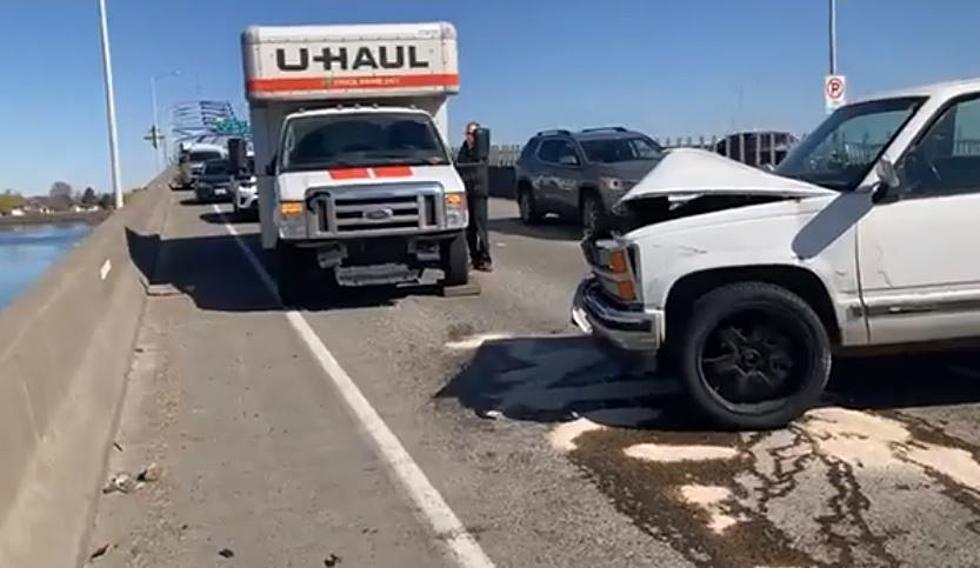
947, 159
529, 150
612, 150
549, 150
567, 154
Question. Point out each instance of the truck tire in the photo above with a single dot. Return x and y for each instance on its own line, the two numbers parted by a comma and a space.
594, 219
294, 269
455, 261
753, 356
528, 206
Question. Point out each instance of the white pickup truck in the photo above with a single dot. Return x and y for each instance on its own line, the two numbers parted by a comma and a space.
745, 282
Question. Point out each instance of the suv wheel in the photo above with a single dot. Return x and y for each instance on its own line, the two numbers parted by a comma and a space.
528, 207
754, 356
593, 215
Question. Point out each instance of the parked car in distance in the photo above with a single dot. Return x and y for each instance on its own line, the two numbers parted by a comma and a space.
862, 240
581, 175
244, 191
214, 182
758, 147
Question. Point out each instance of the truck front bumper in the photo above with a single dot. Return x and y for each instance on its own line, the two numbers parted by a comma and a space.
632, 330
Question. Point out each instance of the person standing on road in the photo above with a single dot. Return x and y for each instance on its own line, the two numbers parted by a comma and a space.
477, 193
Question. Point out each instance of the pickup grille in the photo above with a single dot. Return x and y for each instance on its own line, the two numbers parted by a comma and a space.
361, 211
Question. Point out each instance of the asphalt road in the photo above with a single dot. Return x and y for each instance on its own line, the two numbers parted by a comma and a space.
547, 450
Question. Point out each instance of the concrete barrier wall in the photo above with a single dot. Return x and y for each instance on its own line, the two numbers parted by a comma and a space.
65, 349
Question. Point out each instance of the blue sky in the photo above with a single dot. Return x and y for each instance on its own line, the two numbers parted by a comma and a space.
667, 67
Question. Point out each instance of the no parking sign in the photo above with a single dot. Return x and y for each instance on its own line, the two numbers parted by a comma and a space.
834, 91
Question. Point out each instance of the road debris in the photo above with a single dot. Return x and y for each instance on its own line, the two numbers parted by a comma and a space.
226, 553
490, 414
101, 551
150, 473
122, 483
118, 446
332, 560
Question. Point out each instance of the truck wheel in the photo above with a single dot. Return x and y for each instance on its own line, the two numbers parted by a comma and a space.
455, 261
527, 205
594, 222
292, 274
753, 356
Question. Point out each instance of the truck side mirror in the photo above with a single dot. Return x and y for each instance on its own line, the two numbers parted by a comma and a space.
270, 168
481, 144
888, 181
236, 157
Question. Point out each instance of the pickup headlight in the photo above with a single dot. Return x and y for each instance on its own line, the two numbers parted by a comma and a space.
457, 215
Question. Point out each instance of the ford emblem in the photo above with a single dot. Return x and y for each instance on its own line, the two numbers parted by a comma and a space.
379, 214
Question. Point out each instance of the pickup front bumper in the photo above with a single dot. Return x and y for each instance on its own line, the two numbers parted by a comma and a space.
629, 329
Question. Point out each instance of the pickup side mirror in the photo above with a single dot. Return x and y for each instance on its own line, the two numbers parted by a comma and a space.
888, 181
270, 168
568, 160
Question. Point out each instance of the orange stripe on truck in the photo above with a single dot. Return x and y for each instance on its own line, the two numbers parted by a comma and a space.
349, 173
352, 82
393, 171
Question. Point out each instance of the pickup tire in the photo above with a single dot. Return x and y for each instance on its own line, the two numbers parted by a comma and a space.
531, 213
455, 261
753, 356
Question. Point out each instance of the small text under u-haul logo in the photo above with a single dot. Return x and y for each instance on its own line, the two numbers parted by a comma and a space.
344, 59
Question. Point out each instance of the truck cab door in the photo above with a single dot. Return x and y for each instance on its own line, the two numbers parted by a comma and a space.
919, 249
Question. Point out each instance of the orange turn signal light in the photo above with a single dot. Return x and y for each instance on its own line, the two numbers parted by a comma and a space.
289, 208
617, 262
626, 291
455, 199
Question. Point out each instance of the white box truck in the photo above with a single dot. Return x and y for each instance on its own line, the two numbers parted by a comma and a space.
349, 126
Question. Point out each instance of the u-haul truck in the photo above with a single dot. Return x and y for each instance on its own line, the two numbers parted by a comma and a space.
350, 130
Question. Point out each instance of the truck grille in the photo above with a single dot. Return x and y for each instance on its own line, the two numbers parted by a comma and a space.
361, 211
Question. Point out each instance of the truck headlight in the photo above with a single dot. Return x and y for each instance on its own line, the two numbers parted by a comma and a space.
457, 216
292, 219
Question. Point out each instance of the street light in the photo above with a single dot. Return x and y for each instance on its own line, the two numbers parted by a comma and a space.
833, 37
155, 133
110, 103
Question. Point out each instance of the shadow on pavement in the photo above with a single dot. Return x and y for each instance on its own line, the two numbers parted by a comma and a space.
223, 218
214, 272
556, 379
552, 229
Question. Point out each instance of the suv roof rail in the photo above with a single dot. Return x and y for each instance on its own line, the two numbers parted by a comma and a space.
605, 129
553, 132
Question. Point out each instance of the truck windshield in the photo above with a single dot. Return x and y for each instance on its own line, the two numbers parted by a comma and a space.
612, 150
841, 152
215, 167
366, 139
203, 156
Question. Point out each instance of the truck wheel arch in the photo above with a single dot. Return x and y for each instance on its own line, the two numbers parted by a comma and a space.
802, 282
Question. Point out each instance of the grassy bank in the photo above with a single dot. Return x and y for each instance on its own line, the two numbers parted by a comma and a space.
93, 218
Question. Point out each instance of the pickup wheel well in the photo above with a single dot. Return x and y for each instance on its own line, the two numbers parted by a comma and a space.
686, 291
524, 185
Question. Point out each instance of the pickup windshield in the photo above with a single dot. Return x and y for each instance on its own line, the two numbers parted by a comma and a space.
840, 153
360, 140
613, 150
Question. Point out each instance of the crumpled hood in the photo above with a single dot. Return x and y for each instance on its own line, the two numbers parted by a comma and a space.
689, 171
293, 185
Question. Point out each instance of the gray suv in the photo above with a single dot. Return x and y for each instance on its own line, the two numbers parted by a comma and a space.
581, 175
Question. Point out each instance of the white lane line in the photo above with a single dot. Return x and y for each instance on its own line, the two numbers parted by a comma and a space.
461, 543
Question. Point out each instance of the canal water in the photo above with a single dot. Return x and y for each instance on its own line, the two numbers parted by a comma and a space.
28, 251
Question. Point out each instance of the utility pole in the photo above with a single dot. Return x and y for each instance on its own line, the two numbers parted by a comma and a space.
155, 137
110, 103
833, 37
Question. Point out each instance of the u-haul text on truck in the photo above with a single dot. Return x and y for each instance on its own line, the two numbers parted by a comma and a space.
349, 126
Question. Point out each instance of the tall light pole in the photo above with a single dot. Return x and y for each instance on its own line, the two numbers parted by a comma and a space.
833, 37
155, 133
110, 103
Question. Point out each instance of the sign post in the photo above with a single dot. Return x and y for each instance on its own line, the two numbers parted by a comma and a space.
834, 92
